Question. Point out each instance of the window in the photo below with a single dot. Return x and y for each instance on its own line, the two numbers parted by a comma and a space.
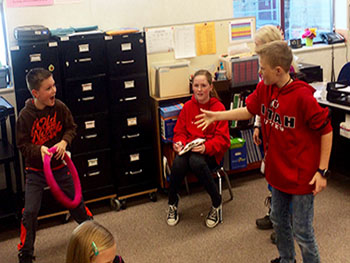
292, 15
3, 46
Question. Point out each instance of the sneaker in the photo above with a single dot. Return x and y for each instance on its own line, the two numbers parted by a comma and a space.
173, 217
273, 237
278, 260
213, 217
25, 258
264, 223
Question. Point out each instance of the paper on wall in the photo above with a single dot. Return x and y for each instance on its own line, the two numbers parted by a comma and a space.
22, 3
184, 44
205, 38
159, 40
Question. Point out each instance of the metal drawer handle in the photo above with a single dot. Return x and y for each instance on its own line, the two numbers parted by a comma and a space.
128, 61
94, 173
88, 98
136, 172
130, 98
133, 135
84, 59
91, 136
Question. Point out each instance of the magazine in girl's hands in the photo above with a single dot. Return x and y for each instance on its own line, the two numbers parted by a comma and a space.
191, 145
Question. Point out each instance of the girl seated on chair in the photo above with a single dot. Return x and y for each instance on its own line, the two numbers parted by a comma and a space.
202, 158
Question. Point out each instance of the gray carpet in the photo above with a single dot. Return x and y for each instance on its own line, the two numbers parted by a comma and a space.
143, 236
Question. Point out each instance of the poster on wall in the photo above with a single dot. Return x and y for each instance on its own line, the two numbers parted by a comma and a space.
22, 3
184, 42
241, 30
159, 40
205, 38
67, 1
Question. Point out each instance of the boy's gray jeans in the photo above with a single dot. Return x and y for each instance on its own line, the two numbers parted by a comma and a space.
34, 188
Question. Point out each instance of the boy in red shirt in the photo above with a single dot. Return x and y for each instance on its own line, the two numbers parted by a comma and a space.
297, 137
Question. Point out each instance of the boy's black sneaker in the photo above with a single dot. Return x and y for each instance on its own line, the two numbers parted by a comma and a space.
25, 258
278, 260
273, 238
264, 223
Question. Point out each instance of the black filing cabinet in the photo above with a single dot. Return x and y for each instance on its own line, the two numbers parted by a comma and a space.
84, 67
130, 114
26, 56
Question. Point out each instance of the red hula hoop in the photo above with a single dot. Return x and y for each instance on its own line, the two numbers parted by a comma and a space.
55, 189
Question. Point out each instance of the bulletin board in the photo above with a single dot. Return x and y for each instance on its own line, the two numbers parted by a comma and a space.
200, 43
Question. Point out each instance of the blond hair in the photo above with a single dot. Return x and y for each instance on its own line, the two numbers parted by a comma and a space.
276, 53
208, 76
81, 248
269, 33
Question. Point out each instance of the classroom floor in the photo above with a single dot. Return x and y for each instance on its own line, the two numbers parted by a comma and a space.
142, 234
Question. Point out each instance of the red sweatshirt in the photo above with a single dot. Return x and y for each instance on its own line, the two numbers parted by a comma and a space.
292, 125
217, 134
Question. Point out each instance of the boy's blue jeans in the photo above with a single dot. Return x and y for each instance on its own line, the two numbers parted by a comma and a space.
296, 223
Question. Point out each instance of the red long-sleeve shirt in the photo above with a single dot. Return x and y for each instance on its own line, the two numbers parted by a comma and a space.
292, 125
216, 135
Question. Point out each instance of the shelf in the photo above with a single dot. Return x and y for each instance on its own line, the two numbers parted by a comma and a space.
171, 97
250, 167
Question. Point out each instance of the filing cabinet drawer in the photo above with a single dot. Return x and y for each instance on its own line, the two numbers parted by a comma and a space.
126, 54
87, 95
21, 97
34, 55
92, 133
131, 130
94, 169
129, 93
83, 55
135, 167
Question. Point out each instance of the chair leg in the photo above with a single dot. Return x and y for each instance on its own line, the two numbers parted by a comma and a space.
220, 192
228, 182
186, 185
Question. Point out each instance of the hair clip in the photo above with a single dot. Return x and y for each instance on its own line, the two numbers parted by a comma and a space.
94, 248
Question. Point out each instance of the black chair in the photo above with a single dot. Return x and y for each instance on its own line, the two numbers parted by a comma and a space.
9, 154
218, 171
344, 74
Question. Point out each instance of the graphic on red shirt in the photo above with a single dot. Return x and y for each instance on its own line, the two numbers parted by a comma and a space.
44, 129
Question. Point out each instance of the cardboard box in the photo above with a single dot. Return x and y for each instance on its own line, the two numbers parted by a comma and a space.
168, 118
238, 153
171, 110
167, 128
170, 79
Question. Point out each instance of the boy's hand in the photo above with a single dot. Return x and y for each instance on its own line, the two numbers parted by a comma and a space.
178, 146
61, 149
44, 151
319, 182
205, 119
199, 149
256, 138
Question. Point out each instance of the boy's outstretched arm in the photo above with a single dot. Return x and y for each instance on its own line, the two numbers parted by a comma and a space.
207, 117
326, 147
